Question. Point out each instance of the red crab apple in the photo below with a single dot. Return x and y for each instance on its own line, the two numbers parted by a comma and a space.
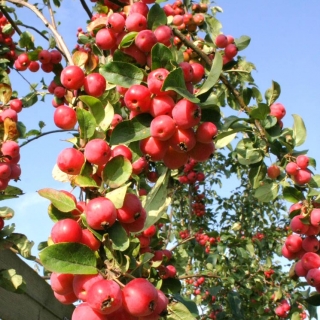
104, 296
68, 298
174, 159
310, 260
183, 140
302, 177
277, 110
206, 131
90, 240
315, 217
34, 66
121, 150
140, 297
82, 282
302, 161
273, 171
106, 39
155, 81
16, 105
97, 151
84, 312
95, 84
310, 244
163, 35
198, 72
145, 40
162, 127
313, 277
187, 71
186, 114
70, 161
72, 77
1, 223
161, 308
56, 56
136, 22
5, 170
61, 283
221, 41
298, 226
65, 117
10, 148
66, 230
138, 98
116, 22
44, 56
138, 224
130, 210
292, 168
101, 213
139, 7
294, 243
299, 270
202, 151
230, 51
9, 113
161, 105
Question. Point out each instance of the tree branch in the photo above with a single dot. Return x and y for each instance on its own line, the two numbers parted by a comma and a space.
6, 14
86, 8
44, 134
57, 36
53, 21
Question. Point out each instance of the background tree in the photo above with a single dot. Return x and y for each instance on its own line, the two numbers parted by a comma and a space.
214, 242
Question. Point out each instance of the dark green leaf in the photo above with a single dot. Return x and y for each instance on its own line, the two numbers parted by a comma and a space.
156, 17
171, 286
131, 130
30, 99
59, 199
256, 174
117, 171
160, 56
56, 215
86, 122
175, 81
261, 112
213, 75
75, 258
26, 40
119, 237
122, 73
190, 304
314, 300
235, 305
292, 194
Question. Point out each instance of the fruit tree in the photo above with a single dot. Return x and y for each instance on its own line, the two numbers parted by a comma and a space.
158, 106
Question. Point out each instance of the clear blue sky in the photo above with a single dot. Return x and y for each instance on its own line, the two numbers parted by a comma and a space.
284, 48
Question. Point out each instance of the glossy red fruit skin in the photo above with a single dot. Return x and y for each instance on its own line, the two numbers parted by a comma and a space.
136, 22
138, 224
186, 114
162, 127
155, 81
183, 140
302, 177
97, 151
221, 41
273, 171
153, 149
174, 159
106, 39
104, 296
101, 213
95, 84
82, 282
65, 117
68, 298
202, 151
161, 105
1, 223
72, 77
138, 98
140, 297
206, 131
66, 230
298, 226
302, 161
70, 161
121, 150
61, 283
145, 40
90, 240
16, 105
84, 312
278, 110
130, 210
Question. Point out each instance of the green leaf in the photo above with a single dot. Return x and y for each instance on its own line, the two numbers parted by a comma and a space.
128, 39
213, 27
30, 99
224, 138
247, 154
157, 202
190, 304
261, 112
267, 192
160, 56
12, 281
170, 286
26, 40
85, 181
52, 42
242, 42
131, 130
117, 195
117, 171
256, 174
119, 237
156, 17
273, 93
122, 73
56, 215
87, 123
315, 181
22, 244
5, 93
235, 305
95, 106
213, 75
314, 300
6, 213
292, 194
59, 199
299, 130
75, 258
175, 81
178, 311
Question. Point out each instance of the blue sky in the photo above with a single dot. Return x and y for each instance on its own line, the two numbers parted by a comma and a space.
284, 47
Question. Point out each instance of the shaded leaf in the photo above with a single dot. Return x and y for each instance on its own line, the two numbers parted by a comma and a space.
12, 281
75, 258
119, 237
299, 130
267, 192
161, 56
86, 122
292, 194
156, 17
273, 93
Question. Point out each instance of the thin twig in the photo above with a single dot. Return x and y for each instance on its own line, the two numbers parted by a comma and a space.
53, 21
44, 134
86, 8
57, 36
182, 242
